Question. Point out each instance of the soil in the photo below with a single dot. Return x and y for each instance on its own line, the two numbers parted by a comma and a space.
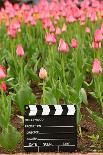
88, 127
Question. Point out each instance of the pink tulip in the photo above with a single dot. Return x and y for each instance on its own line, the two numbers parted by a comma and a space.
2, 72
85, 4
3, 86
70, 19
55, 22
33, 23
96, 67
46, 23
96, 45
50, 38
56, 17
64, 27
42, 73
16, 7
93, 17
87, 30
11, 32
82, 18
58, 31
63, 46
98, 36
19, 50
82, 23
73, 43
27, 17
15, 25
102, 28
52, 29
25, 7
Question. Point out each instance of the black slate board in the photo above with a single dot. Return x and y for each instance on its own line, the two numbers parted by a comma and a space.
50, 128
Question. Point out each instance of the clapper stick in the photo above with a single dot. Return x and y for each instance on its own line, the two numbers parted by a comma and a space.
50, 128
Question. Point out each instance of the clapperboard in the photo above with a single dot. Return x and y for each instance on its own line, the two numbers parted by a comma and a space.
50, 128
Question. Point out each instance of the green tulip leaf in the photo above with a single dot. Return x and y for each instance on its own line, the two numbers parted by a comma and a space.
24, 96
98, 120
9, 138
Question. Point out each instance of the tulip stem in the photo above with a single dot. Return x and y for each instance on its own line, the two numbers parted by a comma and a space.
21, 77
12, 56
2, 95
52, 61
98, 91
43, 92
63, 69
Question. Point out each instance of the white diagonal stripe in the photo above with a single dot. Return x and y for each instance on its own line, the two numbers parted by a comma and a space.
32, 107
46, 110
71, 109
33, 110
58, 109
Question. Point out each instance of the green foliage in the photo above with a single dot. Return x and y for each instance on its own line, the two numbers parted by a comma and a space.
98, 120
99, 123
9, 138
24, 96
5, 111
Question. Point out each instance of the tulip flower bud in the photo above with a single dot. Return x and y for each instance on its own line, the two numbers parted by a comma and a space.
87, 30
63, 46
19, 50
96, 67
50, 38
58, 31
73, 43
2, 72
42, 73
64, 28
98, 36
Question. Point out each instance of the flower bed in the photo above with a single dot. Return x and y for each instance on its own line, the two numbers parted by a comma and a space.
51, 53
